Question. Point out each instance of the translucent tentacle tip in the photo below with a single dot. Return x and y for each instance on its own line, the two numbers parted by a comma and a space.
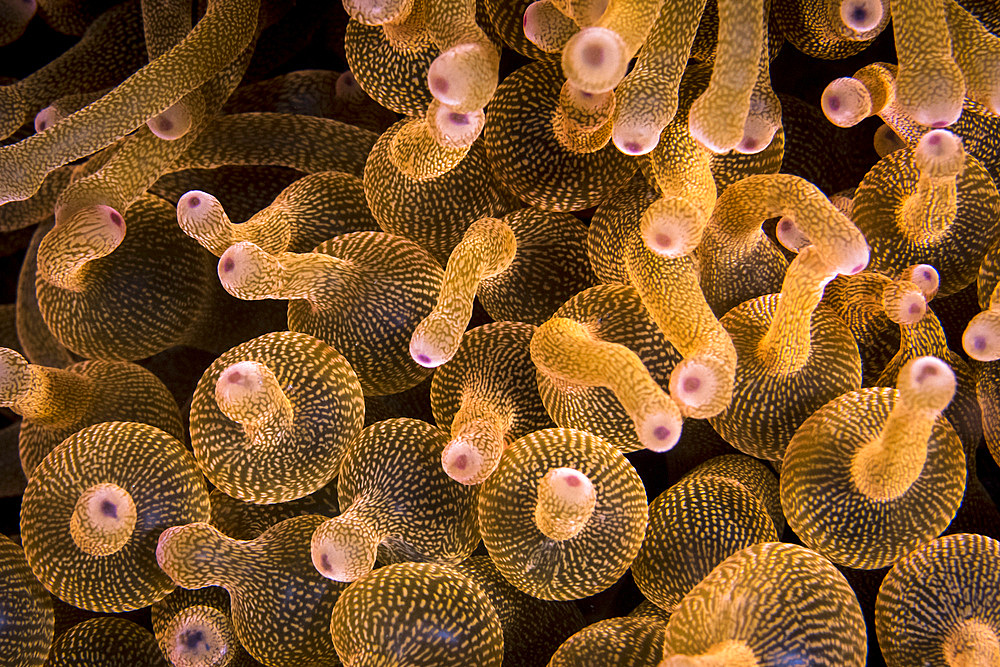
103, 519
671, 226
904, 303
458, 78
453, 129
378, 12
566, 501
791, 235
927, 383
46, 118
861, 16
939, 153
659, 431
242, 390
431, 348
198, 213
758, 132
198, 636
634, 138
172, 123
595, 59
343, 550
846, 102
464, 463
981, 339
698, 389
247, 272
925, 277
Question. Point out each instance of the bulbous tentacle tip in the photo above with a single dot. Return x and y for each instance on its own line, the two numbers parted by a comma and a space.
595, 59
244, 268
758, 131
246, 390
199, 214
198, 636
566, 501
981, 339
454, 129
348, 89
716, 133
846, 102
927, 382
790, 235
672, 226
378, 12
173, 123
465, 76
925, 277
635, 139
343, 550
46, 118
431, 346
103, 519
904, 302
464, 463
659, 432
15, 376
861, 16
939, 153
851, 258
932, 94
701, 388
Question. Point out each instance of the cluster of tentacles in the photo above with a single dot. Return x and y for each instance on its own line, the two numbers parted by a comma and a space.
437, 333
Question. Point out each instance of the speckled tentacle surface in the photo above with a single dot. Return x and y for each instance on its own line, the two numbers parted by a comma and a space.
486, 397
528, 157
745, 613
135, 306
26, 608
97, 504
927, 205
549, 267
311, 210
110, 641
272, 417
486, 250
533, 629
878, 458
89, 65
422, 614
927, 337
335, 298
568, 352
734, 239
554, 569
647, 96
266, 578
702, 384
224, 31
454, 199
632, 641
795, 354
698, 523
930, 87
942, 599
58, 402
383, 464
612, 314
